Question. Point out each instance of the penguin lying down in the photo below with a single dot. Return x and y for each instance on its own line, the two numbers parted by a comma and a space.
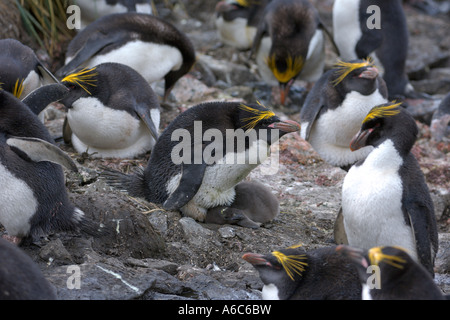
253, 205
34, 201
202, 155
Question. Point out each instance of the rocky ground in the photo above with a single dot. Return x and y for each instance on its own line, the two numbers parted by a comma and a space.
156, 254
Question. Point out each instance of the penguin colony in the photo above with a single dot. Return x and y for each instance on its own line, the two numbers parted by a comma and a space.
113, 112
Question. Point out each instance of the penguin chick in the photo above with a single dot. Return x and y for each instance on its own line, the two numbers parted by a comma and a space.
34, 203
237, 21
203, 154
94, 9
20, 277
21, 71
440, 122
112, 112
385, 198
399, 277
289, 44
253, 205
149, 45
377, 29
296, 274
335, 107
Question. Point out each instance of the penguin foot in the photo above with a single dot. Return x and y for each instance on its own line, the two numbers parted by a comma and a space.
12, 239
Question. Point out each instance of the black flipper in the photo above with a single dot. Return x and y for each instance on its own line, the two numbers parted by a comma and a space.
39, 150
143, 112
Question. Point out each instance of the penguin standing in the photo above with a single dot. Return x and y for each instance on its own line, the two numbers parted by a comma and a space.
237, 21
399, 277
385, 199
21, 71
296, 274
253, 205
289, 44
203, 154
20, 277
112, 112
377, 29
94, 9
34, 202
149, 45
335, 107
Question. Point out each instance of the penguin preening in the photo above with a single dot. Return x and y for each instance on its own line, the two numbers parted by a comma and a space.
112, 112
399, 277
253, 205
335, 107
237, 21
294, 273
289, 44
377, 29
94, 9
203, 154
20, 277
21, 71
385, 198
35, 202
148, 44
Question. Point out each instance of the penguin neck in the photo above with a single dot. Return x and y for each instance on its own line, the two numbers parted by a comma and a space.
385, 156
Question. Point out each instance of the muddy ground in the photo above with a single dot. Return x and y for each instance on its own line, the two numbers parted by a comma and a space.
155, 254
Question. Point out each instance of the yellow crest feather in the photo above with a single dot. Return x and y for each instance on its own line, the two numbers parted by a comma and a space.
84, 77
381, 111
293, 68
343, 69
18, 88
376, 256
259, 115
291, 263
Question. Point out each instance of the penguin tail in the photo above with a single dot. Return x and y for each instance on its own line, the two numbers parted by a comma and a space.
133, 183
88, 226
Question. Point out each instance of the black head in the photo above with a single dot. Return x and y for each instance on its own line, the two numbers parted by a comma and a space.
283, 268
82, 83
231, 10
358, 75
258, 117
387, 121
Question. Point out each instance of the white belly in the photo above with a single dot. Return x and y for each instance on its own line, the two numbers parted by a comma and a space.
371, 202
346, 27
107, 132
236, 33
333, 131
18, 204
153, 61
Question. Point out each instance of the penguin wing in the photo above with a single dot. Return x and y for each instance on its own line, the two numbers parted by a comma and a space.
309, 114
39, 150
143, 111
41, 97
94, 44
330, 37
260, 32
191, 180
46, 75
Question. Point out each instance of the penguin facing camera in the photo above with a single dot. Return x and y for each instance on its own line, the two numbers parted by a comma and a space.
377, 29
149, 45
94, 9
237, 20
385, 198
190, 170
399, 278
112, 112
20, 277
253, 205
289, 44
296, 274
335, 107
35, 202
